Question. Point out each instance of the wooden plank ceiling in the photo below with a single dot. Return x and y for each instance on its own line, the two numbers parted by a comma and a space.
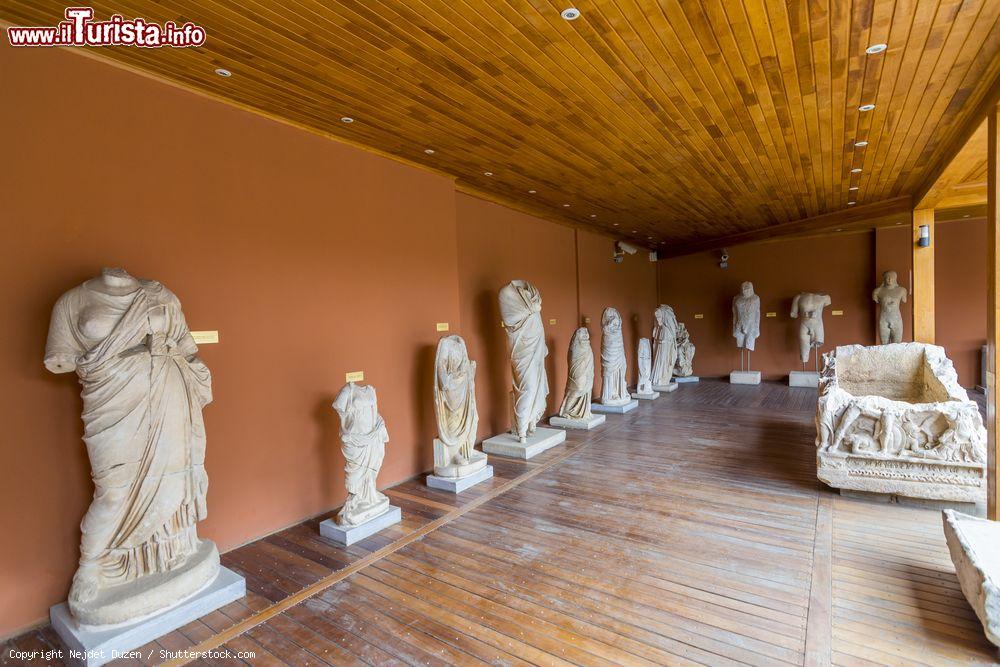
672, 123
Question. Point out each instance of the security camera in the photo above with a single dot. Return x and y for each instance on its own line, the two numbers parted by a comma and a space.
627, 247
724, 259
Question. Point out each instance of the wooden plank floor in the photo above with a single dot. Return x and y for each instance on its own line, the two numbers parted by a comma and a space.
689, 531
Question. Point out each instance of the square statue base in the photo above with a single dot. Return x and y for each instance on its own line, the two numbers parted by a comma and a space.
579, 424
690, 378
506, 444
651, 396
96, 646
744, 377
665, 388
459, 484
803, 379
615, 409
348, 535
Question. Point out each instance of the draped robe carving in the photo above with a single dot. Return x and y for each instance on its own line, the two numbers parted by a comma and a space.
664, 346
520, 308
455, 408
614, 366
580, 380
363, 436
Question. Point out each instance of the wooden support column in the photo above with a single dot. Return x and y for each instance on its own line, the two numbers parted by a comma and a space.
993, 311
923, 279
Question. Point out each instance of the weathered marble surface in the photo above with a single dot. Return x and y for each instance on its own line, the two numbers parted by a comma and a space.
889, 295
974, 545
363, 436
810, 307
455, 408
893, 419
580, 379
614, 366
507, 444
521, 311
644, 360
685, 353
144, 388
664, 346
746, 317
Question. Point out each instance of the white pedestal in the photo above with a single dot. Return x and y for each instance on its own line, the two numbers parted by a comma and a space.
459, 484
803, 379
348, 535
652, 396
690, 378
506, 444
98, 645
579, 424
665, 388
974, 545
744, 377
615, 409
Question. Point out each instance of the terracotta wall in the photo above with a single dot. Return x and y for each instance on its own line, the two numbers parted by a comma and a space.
840, 266
960, 294
309, 257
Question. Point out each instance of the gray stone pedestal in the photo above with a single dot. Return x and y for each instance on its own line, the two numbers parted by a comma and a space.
459, 484
92, 646
348, 535
744, 377
689, 378
615, 409
506, 444
803, 379
652, 396
580, 424
665, 388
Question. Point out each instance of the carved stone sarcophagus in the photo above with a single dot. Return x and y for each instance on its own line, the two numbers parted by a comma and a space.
893, 419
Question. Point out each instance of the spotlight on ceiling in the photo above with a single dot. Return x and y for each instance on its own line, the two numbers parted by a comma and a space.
570, 13
851, 203
853, 187
223, 72
346, 119
876, 48
429, 151
856, 170
860, 144
866, 107
565, 205
531, 192
487, 173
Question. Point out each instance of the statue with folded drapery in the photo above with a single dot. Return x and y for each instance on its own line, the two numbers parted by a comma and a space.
644, 361
520, 309
455, 407
664, 348
143, 390
614, 367
363, 436
580, 379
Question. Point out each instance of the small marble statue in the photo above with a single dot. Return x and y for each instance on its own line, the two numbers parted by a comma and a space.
363, 436
455, 407
580, 380
644, 360
889, 295
144, 388
664, 347
746, 317
614, 366
811, 326
685, 353
520, 309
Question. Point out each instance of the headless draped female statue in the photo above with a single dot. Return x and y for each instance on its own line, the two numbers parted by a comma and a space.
889, 295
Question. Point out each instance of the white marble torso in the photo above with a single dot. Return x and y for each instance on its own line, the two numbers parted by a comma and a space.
580, 379
363, 436
644, 361
455, 409
664, 345
614, 367
520, 309
746, 317
808, 308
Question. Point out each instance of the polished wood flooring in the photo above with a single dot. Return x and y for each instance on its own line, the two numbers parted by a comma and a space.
689, 531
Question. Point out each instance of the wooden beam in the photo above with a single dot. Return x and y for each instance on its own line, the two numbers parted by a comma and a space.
923, 279
993, 311
867, 216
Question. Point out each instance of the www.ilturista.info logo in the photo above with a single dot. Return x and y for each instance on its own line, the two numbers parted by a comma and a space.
80, 29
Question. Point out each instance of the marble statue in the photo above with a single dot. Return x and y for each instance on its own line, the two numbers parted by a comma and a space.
144, 388
746, 317
614, 366
363, 436
810, 306
644, 360
580, 379
685, 353
889, 295
893, 419
455, 407
520, 309
664, 348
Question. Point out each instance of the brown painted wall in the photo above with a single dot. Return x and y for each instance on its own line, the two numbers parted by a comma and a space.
311, 258
960, 294
841, 266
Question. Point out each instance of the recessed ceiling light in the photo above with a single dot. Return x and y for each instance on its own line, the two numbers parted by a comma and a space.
487, 173
856, 170
593, 215
876, 48
570, 13
853, 187
634, 231
531, 192
616, 224
866, 107
429, 151
860, 144
966, 215
346, 119
565, 205
851, 203
898, 223
223, 72
838, 230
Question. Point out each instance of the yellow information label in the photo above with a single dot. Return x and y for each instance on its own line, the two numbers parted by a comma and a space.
442, 326
838, 312
355, 376
204, 337
552, 320
699, 316
770, 314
